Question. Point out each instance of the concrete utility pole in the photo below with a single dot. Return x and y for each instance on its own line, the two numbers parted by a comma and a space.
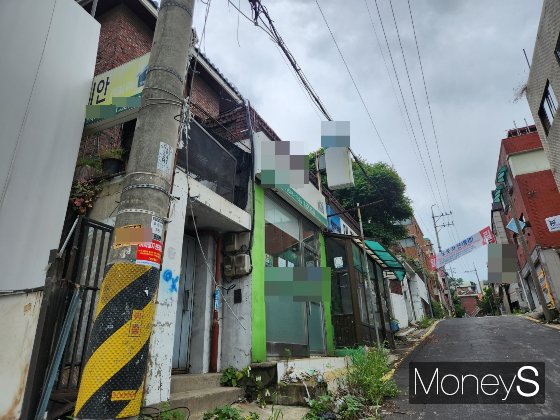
521, 236
437, 228
113, 378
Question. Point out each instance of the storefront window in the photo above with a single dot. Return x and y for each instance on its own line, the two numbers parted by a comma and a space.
291, 241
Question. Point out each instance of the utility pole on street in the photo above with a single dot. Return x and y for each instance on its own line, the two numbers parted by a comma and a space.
117, 350
437, 228
475, 271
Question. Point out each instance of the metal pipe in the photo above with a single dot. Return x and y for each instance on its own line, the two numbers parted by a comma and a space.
215, 340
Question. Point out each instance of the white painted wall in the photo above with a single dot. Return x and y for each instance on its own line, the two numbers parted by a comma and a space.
47, 66
418, 293
158, 377
528, 162
236, 335
399, 309
18, 321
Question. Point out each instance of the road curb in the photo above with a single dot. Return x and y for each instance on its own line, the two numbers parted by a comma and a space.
536, 321
390, 374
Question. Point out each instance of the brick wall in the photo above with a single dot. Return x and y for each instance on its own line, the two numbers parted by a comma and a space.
469, 303
207, 100
123, 37
545, 67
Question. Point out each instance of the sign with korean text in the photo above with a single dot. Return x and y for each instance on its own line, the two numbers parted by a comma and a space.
115, 92
553, 223
149, 253
481, 238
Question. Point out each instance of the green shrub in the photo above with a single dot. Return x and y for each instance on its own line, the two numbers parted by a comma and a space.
319, 406
232, 377
425, 322
92, 161
351, 408
439, 312
115, 153
365, 377
226, 412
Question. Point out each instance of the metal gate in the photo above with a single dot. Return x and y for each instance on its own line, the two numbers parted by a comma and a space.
85, 267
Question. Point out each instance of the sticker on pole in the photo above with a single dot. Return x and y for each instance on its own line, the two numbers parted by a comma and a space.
157, 227
165, 157
149, 253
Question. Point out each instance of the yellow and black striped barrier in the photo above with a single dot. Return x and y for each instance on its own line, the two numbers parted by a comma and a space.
112, 381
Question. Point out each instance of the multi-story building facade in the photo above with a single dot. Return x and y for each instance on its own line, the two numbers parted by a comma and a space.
543, 84
420, 248
525, 183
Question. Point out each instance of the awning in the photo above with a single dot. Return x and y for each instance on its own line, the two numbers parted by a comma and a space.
498, 193
388, 259
501, 175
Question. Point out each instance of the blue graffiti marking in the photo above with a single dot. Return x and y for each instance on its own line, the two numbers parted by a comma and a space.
167, 276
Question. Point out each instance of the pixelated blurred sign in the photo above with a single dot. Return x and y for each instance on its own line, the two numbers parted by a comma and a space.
511, 225
280, 166
116, 94
553, 223
335, 139
481, 238
339, 168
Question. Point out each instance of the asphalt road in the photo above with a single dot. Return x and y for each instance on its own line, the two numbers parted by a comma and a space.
486, 339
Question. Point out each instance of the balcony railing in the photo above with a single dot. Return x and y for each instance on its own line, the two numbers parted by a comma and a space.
209, 162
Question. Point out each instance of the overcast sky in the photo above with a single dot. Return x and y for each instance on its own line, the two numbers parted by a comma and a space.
472, 55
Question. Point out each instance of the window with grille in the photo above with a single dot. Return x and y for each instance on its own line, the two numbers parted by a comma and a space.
548, 108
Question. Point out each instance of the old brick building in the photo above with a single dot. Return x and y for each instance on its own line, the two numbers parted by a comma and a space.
525, 176
418, 250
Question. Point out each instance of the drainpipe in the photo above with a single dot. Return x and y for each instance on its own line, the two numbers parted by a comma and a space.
215, 340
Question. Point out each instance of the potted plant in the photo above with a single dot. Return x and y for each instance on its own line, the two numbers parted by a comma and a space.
111, 160
87, 167
83, 193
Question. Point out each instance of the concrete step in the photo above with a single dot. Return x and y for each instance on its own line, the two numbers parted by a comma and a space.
193, 382
200, 400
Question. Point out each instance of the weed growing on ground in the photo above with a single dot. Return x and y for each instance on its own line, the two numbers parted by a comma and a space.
425, 322
365, 377
350, 407
320, 407
226, 412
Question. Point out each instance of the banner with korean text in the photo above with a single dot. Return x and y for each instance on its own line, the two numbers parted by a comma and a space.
481, 238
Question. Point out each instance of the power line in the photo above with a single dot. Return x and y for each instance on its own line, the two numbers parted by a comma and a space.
429, 106
354, 82
404, 101
389, 74
414, 101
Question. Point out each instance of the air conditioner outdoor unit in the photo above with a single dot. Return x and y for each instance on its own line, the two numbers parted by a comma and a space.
242, 264
229, 267
234, 242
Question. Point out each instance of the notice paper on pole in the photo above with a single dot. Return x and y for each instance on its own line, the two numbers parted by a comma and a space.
481, 238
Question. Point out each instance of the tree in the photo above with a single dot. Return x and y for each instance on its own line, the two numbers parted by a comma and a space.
489, 303
379, 220
454, 282
459, 310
